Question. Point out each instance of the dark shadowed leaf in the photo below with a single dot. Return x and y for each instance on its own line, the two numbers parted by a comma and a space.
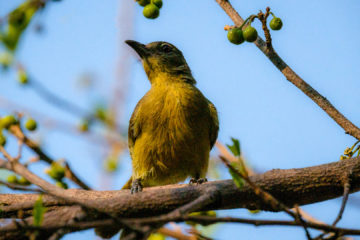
38, 212
239, 182
18, 20
235, 147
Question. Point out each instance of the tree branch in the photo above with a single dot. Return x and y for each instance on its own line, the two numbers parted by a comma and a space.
292, 77
292, 186
17, 132
20, 187
206, 220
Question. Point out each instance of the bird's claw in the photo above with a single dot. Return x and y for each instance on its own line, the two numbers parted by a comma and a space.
136, 186
197, 180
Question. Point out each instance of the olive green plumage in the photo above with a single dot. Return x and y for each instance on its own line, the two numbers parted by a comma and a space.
173, 127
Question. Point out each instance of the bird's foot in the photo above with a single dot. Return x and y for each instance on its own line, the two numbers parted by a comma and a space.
197, 180
136, 186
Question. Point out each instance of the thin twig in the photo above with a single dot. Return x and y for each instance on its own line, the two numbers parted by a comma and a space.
224, 151
206, 220
17, 132
53, 123
198, 235
61, 231
65, 105
303, 223
175, 234
209, 197
262, 222
263, 19
291, 76
267, 197
20, 187
347, 186
59, 102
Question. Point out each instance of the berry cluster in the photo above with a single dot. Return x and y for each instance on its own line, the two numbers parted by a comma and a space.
350, 152
12, 178
57, 172
237, 35
9, 120
151, 8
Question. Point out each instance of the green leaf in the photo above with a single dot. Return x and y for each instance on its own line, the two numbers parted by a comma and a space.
101, 112
255, 211
203, 213
18, 21
6, 58
38, 212
235, 147
238, 180
111, 164
157, 236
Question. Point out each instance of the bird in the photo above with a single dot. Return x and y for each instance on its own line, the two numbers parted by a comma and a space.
174, 126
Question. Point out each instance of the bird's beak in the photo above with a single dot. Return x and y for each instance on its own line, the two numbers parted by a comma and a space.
139, 48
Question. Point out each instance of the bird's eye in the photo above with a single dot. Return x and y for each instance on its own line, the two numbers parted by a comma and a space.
166, 48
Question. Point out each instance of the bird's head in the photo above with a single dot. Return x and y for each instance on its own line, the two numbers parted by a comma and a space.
163, 62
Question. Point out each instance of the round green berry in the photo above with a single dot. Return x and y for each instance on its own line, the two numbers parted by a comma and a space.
100, 113
22, 77
56, 171
158, 3
5, 58
30, 124
157, 236
348, 151
84, 126
111, 164
276, 23
17, 18
235, 36
12, 178
250, 34
143, 2
151, 11
2, 140
23, 181
7, 121
61, 184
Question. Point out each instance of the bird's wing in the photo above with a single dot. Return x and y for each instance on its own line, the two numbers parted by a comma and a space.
134, 130
214, 124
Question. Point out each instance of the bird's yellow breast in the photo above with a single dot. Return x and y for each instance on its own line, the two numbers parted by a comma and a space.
174, 139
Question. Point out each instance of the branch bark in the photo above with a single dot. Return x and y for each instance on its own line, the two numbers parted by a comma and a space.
292, 186
292, 77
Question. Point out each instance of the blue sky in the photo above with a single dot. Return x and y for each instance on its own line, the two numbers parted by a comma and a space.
278, 126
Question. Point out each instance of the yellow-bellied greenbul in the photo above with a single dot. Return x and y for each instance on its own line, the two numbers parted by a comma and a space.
173, 127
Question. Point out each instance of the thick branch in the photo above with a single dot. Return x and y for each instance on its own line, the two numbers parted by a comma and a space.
292, 186
291, 76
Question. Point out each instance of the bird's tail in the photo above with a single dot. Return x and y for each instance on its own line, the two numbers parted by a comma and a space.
108, 232
127, 184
